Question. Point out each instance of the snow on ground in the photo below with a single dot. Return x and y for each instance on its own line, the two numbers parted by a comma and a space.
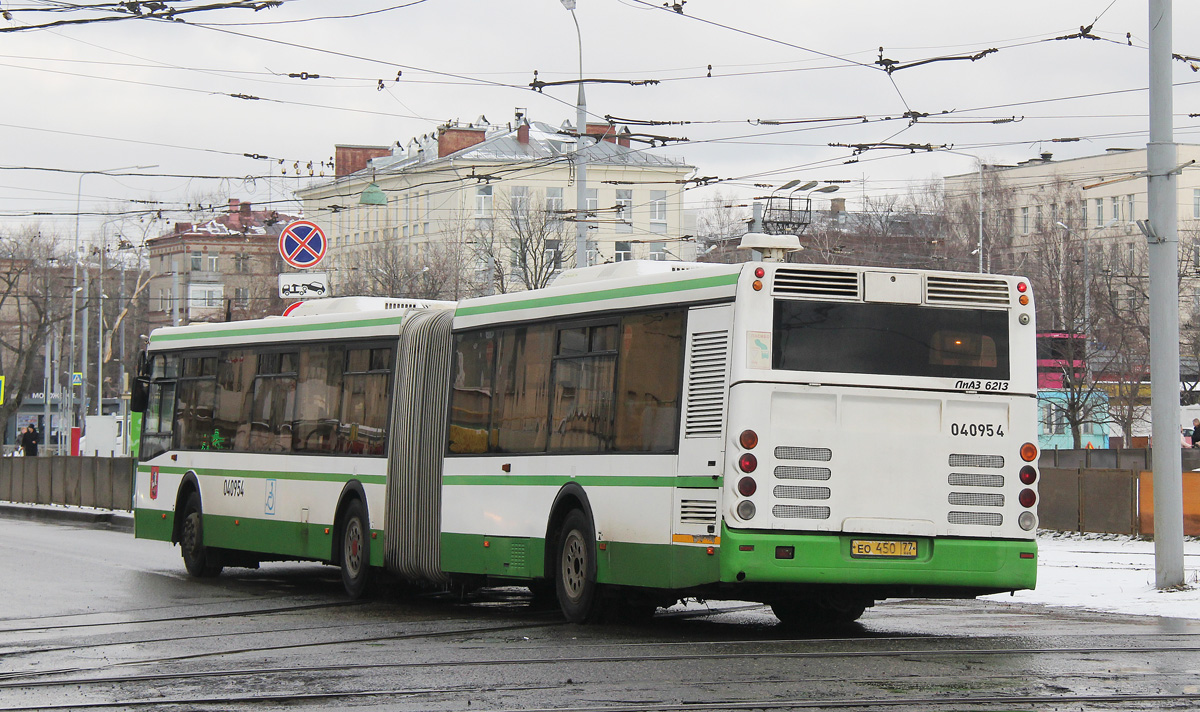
1107, 572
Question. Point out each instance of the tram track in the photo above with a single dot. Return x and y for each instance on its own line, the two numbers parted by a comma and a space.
675, 706
19, 680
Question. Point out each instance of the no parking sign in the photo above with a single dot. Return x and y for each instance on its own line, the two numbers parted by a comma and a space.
302, 244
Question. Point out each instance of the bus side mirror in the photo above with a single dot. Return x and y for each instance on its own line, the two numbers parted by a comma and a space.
139, 392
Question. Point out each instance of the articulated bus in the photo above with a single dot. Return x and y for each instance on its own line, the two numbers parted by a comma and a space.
816, 438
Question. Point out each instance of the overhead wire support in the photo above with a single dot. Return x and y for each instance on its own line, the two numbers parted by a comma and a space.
152, 11
537, 84
860, 148
891, 65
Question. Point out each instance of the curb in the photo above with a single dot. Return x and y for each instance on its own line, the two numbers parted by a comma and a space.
117, 521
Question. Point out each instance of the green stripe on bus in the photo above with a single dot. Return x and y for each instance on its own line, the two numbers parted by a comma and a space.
152, 524
268, 474
592, 480
281, 329
669, 566
723, 280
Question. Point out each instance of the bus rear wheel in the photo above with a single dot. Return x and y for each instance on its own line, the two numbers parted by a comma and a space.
575, 569
819, 612
198, 560
355, 551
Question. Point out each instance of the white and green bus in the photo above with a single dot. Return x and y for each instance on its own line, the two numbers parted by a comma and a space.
816, 438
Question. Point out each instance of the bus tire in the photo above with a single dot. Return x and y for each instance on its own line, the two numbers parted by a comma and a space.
820, 612
575, 569
355, 549
198, 560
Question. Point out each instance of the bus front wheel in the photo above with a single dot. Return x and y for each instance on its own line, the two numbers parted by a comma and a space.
355, 549
198, 560
575, 570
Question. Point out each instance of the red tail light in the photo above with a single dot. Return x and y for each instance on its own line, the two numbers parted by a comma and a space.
1028, 475
1027, 498
747, 486
748, 462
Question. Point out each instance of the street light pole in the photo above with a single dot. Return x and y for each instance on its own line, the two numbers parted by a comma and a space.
979, 161
75, 290
581, 228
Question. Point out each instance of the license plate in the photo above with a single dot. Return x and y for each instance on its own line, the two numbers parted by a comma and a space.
883, 548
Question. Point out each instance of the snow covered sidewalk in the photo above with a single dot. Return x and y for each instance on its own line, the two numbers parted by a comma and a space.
1106, 572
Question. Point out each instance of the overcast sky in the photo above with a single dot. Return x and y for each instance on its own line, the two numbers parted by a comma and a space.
99, 96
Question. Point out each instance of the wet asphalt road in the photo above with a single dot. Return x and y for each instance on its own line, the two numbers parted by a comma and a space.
93, 618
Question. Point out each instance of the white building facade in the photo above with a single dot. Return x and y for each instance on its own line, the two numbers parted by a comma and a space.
477, 186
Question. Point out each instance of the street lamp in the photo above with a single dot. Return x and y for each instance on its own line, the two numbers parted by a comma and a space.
75, 291
1087, 275
581, 256
979, 161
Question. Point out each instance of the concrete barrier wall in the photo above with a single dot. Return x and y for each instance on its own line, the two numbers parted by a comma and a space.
102, 482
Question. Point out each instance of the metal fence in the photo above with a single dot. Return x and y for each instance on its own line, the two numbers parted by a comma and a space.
102, 482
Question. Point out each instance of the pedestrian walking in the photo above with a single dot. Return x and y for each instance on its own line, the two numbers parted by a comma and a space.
29, 442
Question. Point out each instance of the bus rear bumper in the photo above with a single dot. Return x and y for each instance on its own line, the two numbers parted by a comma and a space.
758, 557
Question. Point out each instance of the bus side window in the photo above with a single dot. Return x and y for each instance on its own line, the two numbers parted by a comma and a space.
471, 396
160, 409
649, 379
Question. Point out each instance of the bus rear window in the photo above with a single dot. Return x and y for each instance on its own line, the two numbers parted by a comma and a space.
890, 339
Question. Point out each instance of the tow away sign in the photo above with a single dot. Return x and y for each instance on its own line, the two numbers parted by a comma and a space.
303, 285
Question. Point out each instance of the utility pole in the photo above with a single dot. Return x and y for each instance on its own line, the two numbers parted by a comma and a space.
580, 159
1163, 237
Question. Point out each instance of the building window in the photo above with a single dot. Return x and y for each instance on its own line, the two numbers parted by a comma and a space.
1025, 220
1037, 220
658, 211
593, 200
197, 261
1099, 205
483, 207
658, 250
1196, 203
1129, 216
241, 296
519, 199
1116, 207
1054, 212
554, 205
624, 210
623, 252
241, 263
553, 254
1085, 218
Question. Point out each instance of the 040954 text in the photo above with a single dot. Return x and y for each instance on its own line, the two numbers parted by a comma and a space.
973, 430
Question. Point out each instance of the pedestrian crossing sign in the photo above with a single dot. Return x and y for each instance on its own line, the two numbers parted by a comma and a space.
77, 379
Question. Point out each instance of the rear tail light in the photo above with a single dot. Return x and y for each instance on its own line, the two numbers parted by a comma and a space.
748, 462
1027, 521
1027, 498
1028, 475
748, 439
746, 509
1029, 452
747, 486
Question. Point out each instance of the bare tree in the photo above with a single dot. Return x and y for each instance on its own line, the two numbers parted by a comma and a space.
32, 286
720, 225
524, 245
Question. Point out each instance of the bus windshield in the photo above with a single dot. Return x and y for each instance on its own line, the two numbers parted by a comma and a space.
890, 339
